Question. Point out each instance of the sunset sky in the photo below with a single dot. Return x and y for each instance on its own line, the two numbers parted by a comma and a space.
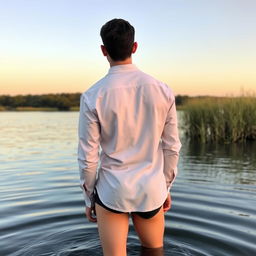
197, 47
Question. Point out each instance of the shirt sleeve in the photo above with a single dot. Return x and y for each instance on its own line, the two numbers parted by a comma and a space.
171, 144
88, 149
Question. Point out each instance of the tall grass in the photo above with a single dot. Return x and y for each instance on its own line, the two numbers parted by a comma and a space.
221, 119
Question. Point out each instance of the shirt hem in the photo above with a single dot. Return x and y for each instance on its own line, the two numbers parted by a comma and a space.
129, 211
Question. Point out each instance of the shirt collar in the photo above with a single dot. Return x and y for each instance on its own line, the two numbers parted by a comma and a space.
122, 68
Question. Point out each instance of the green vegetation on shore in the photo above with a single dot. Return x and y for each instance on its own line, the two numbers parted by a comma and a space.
221, 119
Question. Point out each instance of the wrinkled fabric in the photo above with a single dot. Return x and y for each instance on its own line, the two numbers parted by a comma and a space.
128, 140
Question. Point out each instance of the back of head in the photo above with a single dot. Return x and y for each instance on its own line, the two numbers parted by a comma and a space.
118, 38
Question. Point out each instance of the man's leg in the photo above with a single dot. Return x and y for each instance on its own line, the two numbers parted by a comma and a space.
113, 231
150, 232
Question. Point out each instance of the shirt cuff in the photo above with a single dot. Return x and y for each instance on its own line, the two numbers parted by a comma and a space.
169, 186
89, 200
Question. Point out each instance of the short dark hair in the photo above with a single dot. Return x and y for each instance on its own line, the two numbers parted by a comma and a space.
118, 38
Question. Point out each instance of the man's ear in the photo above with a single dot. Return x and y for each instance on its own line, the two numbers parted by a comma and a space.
134, 47
104, 50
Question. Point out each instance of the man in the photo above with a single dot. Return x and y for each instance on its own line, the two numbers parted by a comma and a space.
132, 116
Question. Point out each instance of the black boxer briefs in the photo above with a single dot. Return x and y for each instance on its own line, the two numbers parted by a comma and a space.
145, 215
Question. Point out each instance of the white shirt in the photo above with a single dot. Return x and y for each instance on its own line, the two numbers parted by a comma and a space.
128, 121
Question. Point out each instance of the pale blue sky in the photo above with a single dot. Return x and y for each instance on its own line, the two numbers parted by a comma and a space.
196, 46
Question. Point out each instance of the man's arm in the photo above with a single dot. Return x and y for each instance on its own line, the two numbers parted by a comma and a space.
88, 149
171, 144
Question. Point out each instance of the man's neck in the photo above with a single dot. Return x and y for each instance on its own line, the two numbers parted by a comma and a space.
121, 62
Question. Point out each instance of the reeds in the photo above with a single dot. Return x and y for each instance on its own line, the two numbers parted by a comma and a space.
221, 119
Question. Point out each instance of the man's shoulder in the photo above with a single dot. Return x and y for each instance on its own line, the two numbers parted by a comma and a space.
91, 94
94, 89
147, 78
96, 86
150, 78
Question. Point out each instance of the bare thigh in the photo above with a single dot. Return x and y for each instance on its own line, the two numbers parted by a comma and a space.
150, 231
113, 231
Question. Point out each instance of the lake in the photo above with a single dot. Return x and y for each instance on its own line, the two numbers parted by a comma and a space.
42, 209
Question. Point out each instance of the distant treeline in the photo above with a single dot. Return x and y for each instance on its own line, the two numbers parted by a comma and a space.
61, 101
181, 99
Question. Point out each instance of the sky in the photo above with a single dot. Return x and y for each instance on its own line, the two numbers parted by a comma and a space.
197, 47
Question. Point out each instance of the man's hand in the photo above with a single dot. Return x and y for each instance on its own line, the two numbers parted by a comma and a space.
168, 203
91, 214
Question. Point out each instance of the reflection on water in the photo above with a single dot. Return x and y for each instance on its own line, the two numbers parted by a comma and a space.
227, 163
42, 210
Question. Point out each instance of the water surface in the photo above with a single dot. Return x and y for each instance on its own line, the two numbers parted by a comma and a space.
42, 209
